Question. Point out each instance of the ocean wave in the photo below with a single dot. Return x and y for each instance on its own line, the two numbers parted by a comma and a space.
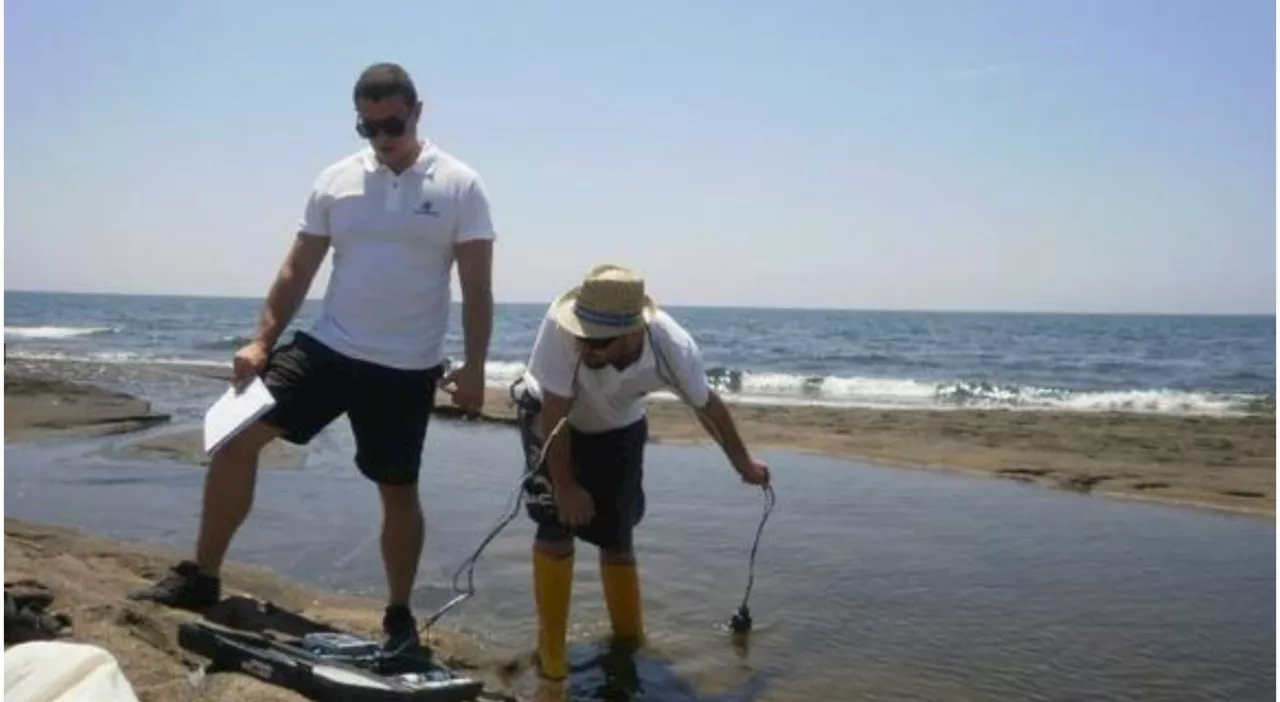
833, 391
46, 332
502, 373
1150, 400
112, 357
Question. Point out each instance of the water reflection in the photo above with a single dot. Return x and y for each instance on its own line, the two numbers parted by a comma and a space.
871, 583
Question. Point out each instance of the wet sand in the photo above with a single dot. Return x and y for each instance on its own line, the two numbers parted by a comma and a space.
40, 408
1225, 463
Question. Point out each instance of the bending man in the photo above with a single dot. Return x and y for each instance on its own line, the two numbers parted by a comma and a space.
603, 346
399, 215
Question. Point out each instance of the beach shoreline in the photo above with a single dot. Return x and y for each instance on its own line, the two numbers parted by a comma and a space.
1222, 463
1218, 463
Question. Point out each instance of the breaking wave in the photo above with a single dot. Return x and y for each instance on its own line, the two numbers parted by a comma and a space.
835, 391
900, 393
896, 393
56, 332
123, 357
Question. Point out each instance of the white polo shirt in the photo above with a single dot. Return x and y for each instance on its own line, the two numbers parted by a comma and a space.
393, 236
608, 398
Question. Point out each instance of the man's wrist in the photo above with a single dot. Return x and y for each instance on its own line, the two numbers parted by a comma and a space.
565, 482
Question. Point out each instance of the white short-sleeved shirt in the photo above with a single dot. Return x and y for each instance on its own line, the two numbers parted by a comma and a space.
608, 398
393, 236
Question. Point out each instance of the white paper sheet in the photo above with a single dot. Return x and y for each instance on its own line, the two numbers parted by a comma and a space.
235, 411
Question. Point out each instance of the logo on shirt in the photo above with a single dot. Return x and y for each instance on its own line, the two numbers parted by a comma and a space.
426, 209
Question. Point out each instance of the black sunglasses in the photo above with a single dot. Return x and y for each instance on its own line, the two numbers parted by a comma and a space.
391, 126
597, 344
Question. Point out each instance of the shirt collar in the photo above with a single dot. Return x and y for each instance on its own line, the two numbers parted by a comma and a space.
423, 166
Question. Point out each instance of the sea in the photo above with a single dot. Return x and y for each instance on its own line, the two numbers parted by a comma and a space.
1215, 365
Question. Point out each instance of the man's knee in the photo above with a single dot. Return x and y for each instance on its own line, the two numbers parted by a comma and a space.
243, 448
400, 500
391, 470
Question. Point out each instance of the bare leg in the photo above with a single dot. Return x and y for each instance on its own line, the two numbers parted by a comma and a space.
228, 494
403, 531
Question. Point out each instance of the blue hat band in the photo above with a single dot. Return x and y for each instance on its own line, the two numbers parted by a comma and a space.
604, 318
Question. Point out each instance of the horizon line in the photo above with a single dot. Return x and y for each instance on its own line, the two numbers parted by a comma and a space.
687, 306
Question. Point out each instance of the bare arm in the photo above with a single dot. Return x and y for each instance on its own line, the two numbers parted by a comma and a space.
475, 276
555, 408
291, 285
715, 418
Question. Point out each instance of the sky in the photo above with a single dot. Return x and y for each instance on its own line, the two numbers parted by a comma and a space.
1057, 155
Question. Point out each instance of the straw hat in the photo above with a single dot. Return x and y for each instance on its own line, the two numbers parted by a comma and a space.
611, 301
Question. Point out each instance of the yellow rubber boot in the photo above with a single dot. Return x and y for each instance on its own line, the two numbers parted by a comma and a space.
621, 584
552, 588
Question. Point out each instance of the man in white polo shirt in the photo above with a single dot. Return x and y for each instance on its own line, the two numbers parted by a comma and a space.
602, 348
399, 216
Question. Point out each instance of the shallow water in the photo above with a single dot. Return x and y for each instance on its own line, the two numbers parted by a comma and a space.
871, 583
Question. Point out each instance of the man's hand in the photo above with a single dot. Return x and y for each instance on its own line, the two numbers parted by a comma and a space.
466, 386
573, 504
753, 472
249, 362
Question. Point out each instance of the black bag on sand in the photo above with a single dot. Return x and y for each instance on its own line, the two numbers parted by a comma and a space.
327, 666
26, 617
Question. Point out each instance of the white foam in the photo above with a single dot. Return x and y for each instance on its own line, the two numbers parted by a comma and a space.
772, 388
502, 373
1161, 401
55, 332
890, 391
112, 357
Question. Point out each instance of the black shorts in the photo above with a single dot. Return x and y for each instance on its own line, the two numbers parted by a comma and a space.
388, 408
608, 465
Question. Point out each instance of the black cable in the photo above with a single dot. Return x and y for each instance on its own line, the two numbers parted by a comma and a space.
769, 499
741, 621
469, 565
517, 497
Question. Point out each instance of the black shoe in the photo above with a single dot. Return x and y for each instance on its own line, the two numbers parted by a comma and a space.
185, 587
402, 632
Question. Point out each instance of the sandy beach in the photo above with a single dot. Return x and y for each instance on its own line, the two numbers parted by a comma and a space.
1216, 462
1225, 463
89, 579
